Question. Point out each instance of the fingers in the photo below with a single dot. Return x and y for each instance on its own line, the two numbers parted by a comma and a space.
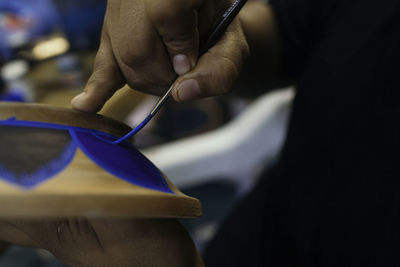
216, 70
72, 241
143, 39
176, 23
141, 55
102, 84
15, 234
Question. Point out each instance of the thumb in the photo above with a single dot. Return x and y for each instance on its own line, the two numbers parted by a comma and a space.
176, 23
217, 69
102, 84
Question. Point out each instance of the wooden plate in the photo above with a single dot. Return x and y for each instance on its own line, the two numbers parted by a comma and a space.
81, 188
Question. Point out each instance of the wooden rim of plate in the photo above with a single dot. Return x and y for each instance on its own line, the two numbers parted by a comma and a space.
63, 116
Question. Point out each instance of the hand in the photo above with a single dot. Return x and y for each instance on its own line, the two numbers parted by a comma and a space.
147, 43
106, 242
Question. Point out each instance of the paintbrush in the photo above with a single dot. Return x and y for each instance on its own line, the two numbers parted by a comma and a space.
213, 37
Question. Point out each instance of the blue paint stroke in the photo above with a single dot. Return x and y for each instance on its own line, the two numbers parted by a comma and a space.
123, 161
47, 125
101, 135
134, 131
30, 180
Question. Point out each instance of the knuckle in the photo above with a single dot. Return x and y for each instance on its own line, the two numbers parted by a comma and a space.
222, 75
175, 19
162, 11
179, 42
135, 57
228, 65
161, 14
147, 86
153, 84
106, 80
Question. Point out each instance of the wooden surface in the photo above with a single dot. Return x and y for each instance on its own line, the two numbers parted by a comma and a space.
64, 116
82, 188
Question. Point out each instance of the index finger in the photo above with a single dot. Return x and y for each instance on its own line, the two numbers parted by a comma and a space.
176, 23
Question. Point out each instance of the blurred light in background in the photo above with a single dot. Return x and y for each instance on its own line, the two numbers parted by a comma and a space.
57, 39
23, 23
50, 48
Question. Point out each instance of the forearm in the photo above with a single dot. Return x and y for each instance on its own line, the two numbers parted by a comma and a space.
263, 70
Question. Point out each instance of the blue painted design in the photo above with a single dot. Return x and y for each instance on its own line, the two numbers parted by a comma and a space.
121, 160
124, 161
30, 180
134, 131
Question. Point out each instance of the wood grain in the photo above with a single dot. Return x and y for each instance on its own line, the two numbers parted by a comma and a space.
64, 116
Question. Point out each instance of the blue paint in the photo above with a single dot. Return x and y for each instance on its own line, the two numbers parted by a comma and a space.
134, 131
122, 159
31, 180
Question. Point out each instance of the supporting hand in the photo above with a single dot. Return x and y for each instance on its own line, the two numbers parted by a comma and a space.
106, 242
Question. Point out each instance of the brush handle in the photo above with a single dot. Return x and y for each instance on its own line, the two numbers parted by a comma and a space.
222, 25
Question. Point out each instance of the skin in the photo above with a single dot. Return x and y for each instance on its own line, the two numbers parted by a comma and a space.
147, 44
106, 242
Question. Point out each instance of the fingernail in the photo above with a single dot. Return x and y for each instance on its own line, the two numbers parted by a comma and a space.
76, 101
188, 90
181, 64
